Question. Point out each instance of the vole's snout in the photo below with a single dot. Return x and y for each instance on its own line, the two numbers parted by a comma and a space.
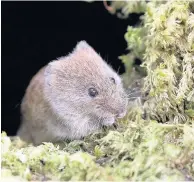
121, 113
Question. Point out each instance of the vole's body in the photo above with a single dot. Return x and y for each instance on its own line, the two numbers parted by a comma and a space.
57, 104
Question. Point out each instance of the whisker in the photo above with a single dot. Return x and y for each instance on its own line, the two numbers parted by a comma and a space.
134, 89
118, 70
133, 93
133, 98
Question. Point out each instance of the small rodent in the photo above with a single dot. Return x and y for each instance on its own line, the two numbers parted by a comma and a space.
71, 97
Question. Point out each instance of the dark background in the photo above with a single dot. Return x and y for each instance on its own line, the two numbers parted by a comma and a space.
34, 33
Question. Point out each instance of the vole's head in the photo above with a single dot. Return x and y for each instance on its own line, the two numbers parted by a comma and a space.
83, 84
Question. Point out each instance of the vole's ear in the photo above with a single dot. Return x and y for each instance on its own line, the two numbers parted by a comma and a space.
50, 72
83, 45
50, 68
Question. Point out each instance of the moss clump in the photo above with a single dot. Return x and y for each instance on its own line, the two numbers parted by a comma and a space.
144, 151
158, 147
164, 41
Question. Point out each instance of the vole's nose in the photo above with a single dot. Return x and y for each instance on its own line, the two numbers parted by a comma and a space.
121, 113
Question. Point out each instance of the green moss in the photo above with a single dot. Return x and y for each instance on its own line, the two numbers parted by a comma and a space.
135, 151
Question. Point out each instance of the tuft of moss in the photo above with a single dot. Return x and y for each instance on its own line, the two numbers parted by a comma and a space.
164, 42
135, 151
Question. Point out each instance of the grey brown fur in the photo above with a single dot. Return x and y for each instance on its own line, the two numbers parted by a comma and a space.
57, 106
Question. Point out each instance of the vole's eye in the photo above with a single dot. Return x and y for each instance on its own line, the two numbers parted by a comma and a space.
92, 92
113, 80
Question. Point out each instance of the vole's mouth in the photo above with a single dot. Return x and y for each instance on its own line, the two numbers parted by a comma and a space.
108, 121
121, 115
